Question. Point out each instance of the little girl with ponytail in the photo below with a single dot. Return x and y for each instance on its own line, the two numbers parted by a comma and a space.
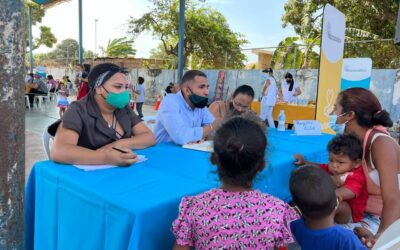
234, 216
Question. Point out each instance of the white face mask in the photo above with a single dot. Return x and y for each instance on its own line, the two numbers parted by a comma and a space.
338, 128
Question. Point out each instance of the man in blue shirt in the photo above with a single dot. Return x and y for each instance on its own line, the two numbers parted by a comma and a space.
183, 117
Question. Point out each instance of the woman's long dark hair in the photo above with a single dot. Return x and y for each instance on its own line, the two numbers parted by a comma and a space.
288, 75
366, 106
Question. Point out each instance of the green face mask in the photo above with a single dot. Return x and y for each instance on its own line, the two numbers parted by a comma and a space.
119, 100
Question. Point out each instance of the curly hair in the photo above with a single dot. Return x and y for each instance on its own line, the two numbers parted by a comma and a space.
346, 144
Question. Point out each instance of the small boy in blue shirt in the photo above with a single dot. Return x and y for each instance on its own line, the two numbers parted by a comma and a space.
313, 192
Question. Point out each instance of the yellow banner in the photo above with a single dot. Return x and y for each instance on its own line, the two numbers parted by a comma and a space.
330, 66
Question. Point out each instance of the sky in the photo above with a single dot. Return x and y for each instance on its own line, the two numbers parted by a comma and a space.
259, 20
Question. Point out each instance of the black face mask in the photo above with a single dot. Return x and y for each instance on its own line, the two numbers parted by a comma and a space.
198, 101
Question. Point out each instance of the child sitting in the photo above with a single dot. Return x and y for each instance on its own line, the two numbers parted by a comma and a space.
313, 192
62, 97
235, 216
345, 152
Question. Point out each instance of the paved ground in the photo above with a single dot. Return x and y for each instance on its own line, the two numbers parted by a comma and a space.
36, 120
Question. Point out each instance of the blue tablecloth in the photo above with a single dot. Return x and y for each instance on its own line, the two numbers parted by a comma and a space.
133, 208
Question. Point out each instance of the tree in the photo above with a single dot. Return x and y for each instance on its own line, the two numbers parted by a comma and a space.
159, 53
371, 20
89, 54
12, 125
46, 37
119, 47
65, 52
208, 39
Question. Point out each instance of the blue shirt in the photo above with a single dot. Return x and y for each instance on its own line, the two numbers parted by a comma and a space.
178, 122
330, 238
140, 89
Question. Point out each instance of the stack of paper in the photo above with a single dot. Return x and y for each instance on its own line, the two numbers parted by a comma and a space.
207, 146
141, 158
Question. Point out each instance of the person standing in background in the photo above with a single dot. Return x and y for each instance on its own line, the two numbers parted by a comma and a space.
289, 89
78, 75
268, 99
52, 82
83, 87
140, 92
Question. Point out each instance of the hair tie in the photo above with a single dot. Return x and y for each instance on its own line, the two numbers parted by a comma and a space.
100, 79
377, 112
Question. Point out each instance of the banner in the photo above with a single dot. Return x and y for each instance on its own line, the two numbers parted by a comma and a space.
330, 65
356, 72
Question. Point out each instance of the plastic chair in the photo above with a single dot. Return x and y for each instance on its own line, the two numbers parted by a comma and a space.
46, 138
390, 238
41, 98
27, 104
150, 121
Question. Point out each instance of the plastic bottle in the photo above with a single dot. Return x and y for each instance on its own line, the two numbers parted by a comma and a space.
281, 121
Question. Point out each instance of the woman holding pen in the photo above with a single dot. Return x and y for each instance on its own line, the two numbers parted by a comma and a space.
101, 128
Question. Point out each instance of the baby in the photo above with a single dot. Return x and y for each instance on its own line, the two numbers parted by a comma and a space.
345, 153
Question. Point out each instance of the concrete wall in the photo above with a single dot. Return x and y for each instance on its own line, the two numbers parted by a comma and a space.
385, 83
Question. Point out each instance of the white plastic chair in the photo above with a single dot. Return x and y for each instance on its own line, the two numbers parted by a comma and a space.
150, 122
27, 104
390, 238
40, 98
46, 139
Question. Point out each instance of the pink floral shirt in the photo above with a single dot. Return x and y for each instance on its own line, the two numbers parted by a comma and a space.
218, 219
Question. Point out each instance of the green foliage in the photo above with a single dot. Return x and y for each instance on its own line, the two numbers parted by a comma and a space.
119, 47
159, 53
369, 20
89, 54
65, 53
209, 41
46, 37
67, 50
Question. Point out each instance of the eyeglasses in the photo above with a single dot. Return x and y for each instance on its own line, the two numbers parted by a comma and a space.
239, 105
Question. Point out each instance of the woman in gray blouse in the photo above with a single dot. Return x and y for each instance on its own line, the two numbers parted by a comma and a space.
101, 128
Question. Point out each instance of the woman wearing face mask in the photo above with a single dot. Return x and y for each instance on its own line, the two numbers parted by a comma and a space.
239, 103
289, 89
358, 111
101, 128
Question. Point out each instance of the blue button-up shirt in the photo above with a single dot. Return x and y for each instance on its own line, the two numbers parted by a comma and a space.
178, 122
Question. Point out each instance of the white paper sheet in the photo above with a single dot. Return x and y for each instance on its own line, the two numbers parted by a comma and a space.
207, 146
141, 158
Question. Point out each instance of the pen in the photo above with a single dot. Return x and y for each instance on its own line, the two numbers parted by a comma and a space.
119, 150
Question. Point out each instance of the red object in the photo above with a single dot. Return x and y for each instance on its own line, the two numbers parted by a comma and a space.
282, 248
356, 183
158, 103
132, 105
82, 91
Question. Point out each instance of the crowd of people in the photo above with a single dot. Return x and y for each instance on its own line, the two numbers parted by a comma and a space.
358, 188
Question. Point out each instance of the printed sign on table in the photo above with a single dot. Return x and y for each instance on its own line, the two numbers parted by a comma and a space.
307, 127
